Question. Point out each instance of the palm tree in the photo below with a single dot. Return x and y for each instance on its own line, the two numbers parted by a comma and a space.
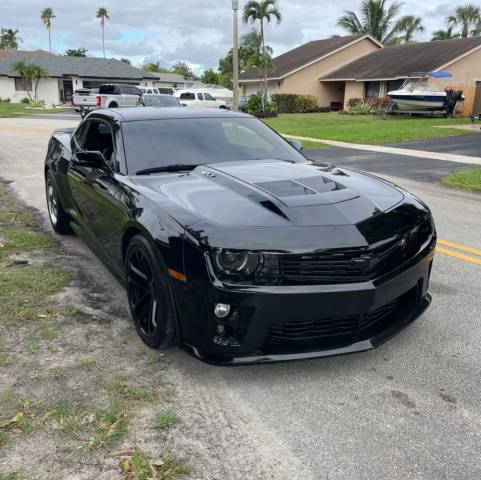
102, 13
444, 34
24, 70
37, 72
465, 17
265, 10
376, 20
47, 16
409, 25
9, 39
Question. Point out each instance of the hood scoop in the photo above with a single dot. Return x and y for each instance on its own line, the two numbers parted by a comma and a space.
318, 190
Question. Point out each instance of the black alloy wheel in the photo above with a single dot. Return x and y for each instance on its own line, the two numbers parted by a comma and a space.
150, 299
58, 218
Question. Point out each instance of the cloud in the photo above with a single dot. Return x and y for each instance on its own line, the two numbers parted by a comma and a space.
198, 33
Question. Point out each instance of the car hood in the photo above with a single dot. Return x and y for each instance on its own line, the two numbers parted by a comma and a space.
269, 193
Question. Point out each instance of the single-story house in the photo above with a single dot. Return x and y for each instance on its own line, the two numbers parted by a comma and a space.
67, 74
340, 68
298, 70
385, 69
167, 82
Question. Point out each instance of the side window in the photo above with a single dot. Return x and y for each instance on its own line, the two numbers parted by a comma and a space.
208, 96
199, 96
117, 90
187, 96
78, 134
99, 139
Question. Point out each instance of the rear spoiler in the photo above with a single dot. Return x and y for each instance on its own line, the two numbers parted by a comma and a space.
68, 130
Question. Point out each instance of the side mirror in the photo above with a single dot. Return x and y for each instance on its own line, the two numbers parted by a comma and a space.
296, 144
92, 159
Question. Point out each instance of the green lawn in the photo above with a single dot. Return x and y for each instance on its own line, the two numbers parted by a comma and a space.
375, 129
467, 179
15, 109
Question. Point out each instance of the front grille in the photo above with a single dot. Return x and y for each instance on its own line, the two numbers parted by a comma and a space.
352, 265
333, 332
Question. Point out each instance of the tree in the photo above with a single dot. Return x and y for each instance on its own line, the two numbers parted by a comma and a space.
9, 39
444, 34
36, 72
20, 67
102, 14
265, 10
377, 19
154, 67
47, 16
182, 69
76, 52
466, 17
408, 26
125, 60
210, 77
249, 44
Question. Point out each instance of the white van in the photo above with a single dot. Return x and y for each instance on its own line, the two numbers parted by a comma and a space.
198, 98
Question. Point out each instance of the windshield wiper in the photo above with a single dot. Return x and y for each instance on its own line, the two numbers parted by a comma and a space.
177, 167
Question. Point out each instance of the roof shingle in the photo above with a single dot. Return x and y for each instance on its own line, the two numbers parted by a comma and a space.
61, 66
398, 61
300, 56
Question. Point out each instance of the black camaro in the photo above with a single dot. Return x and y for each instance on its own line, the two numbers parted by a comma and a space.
234, 245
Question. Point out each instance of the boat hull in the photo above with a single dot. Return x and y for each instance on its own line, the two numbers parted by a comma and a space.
418, 102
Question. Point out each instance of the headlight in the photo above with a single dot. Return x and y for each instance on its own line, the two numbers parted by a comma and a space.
241, 266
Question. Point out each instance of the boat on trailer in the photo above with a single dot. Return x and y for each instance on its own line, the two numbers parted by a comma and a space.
422, 92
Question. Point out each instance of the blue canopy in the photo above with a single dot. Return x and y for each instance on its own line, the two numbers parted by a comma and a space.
439, 74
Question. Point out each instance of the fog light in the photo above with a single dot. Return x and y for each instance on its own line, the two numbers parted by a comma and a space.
220, 329
221, 310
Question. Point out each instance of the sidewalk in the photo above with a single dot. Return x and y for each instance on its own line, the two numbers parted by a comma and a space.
448, 157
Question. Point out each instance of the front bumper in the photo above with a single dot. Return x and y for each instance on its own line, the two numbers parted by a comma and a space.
281, 323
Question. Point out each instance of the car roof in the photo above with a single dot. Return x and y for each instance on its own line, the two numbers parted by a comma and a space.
158, 95
133, 114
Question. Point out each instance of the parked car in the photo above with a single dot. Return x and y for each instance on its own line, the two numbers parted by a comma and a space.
149, 90
84, 100
233, 244
118, 95
194, 98
151, 100
242, 104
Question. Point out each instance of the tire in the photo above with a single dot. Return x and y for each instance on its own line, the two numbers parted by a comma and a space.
58, 218
113, 105
150, 299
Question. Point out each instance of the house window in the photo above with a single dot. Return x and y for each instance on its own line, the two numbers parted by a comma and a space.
372, 89
21, 86
394, 85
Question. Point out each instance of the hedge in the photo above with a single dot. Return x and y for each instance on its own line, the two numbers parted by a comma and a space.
292, 103
376, 103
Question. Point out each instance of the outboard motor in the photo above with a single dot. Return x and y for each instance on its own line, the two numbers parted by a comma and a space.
452, 98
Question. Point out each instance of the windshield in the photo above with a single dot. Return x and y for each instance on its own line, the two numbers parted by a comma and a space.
195, 141
160, 101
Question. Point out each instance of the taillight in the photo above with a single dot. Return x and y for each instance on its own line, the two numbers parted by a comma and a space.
99, 100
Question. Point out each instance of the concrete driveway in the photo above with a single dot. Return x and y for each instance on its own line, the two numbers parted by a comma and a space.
408, 410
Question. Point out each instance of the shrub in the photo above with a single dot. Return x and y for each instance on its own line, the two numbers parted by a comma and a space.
324, 109
25, 100
376, 104
254, 103
38, 103
6, 100
292, 103
364, 107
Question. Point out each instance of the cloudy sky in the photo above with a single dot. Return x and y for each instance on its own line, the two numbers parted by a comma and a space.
196, 32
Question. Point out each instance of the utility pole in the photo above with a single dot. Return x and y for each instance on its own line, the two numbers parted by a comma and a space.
235, 62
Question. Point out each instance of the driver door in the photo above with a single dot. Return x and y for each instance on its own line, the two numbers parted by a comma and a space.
102, 202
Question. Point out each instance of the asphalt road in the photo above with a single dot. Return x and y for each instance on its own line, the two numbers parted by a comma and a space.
408, 410
414, 168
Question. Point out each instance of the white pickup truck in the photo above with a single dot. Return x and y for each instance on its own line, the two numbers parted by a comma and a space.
108, 96
199, 98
